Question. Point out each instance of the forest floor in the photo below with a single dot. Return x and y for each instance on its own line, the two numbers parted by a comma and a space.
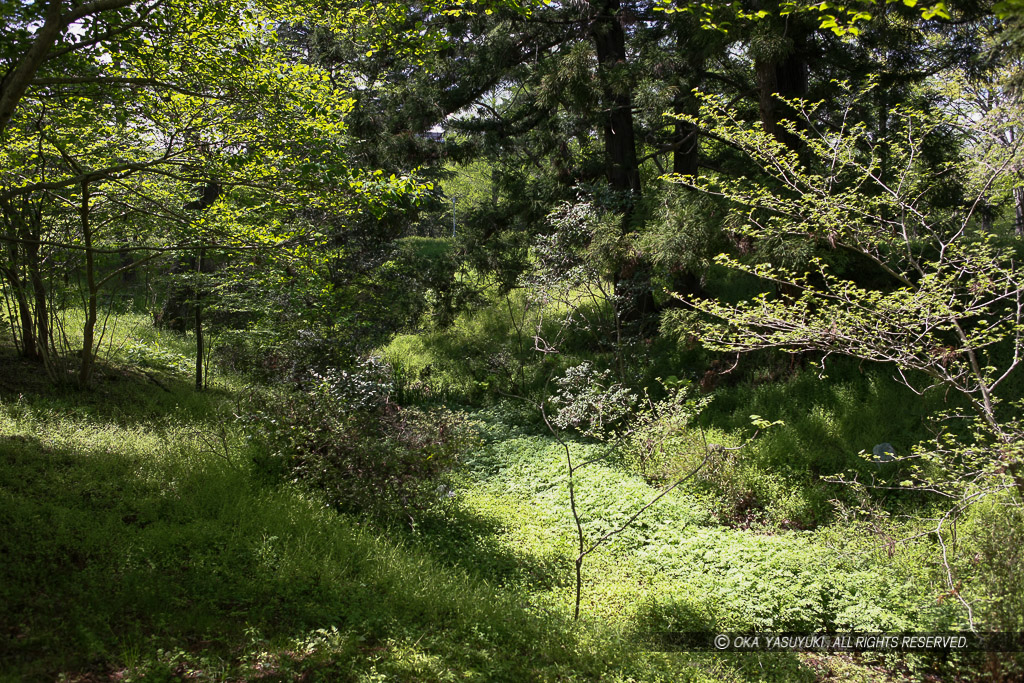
139, 543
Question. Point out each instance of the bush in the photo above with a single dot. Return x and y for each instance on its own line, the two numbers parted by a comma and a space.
664, 445
993, 554
345, 437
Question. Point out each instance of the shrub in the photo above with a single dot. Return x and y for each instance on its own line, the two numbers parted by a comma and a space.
345, 437
993, 552
589, 403
664, 444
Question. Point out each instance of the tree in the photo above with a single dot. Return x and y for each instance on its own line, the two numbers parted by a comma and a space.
949, 312
26, 52
573, 96
204, 94
988, 107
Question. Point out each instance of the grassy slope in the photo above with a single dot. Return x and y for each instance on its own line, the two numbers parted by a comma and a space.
136, 544
720, 577
680, 566
136, 548
677, 569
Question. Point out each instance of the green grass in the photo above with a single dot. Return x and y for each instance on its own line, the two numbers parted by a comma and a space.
831, 415
677, 569
144, 549
139, 543
490, 351
769, 580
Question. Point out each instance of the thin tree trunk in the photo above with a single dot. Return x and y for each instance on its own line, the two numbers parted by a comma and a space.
685, 158
1018, 207
198, 307
199, 346
16, 228
42, 316
26, 345
10, 320
28, 342
89, 330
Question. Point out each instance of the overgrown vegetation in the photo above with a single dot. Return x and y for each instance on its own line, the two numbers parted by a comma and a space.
508, 340
153, 545
344, 438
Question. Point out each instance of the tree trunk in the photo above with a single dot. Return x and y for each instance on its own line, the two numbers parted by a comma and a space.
198, 307
1018, 207
175, 311
616, 101
785, 77
42, 314
89, 329
17, 80
56, 19
632, 279
28, 341
15, 231
685, 158
129, 274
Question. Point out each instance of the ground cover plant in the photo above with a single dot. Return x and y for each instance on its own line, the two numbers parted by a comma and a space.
150, 546
146, 548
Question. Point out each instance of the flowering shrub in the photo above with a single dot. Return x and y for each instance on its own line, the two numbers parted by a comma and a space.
589, 402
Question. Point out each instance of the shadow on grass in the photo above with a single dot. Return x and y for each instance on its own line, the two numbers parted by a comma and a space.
127, 396
463, 538
829, 419
131, 555
827, 424
112, 563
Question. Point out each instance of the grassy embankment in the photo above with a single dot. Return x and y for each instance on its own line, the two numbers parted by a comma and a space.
139, 543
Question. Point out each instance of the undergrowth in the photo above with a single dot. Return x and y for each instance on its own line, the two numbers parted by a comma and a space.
142, 539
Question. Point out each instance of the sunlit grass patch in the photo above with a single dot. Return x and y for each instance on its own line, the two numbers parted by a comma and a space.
143, 552
124, 555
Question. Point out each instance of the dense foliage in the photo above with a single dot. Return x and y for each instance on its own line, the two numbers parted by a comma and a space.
345, 438
665, 315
